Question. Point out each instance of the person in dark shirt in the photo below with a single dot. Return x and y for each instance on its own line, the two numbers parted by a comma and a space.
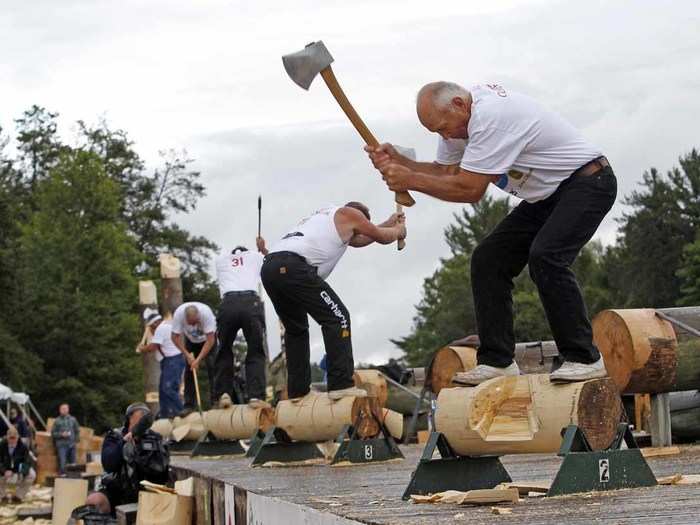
130, 455
18, 421
16, 465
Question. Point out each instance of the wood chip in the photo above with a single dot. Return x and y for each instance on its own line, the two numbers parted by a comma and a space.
652, 452
471, 497
525, 487
669, 480
501, 510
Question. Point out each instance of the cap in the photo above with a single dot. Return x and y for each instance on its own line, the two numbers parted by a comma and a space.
133, 407
150, 316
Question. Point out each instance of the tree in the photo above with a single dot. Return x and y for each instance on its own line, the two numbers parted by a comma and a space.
77, 290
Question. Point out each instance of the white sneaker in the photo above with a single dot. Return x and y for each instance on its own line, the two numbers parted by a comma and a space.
481, 373
571, 371
225, 401
254, 402
353, 391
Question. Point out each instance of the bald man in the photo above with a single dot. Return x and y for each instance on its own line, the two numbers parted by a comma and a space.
490, 135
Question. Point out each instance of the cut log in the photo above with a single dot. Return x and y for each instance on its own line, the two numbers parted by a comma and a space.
238, 421
374, 383
67, 494
368, 427
193, 423
532, 358
163, 426
526, 414
685, 424
646, 354
317, 418
148, 298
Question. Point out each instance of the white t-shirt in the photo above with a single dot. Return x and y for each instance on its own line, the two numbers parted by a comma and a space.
238, 272
317, 240
195, 333
162, 337
531, 148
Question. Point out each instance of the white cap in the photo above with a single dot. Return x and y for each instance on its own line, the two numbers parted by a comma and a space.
150, 316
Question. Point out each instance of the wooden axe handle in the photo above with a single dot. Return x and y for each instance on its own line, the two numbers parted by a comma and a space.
404, 198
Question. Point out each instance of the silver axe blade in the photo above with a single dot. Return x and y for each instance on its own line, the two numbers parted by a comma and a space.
303, 66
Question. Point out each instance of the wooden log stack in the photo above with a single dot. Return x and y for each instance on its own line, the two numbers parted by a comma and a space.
526, 414
644, 353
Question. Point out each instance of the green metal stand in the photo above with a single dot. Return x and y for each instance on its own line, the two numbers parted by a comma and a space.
585, 470
453, 472
182, 448
354, 449
255, 444
209, 445
277, 446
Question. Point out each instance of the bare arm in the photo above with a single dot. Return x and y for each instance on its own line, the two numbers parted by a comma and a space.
260, 243
179, 341
208, 344
354, 224
386, 153
359, 240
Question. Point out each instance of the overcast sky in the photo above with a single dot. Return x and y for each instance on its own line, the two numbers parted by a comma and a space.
207, 76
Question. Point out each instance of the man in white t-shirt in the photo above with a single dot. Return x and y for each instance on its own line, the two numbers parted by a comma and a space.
194, 334
491, 135
238, 274
172, 363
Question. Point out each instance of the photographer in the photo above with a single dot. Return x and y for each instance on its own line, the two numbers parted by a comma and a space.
130, 455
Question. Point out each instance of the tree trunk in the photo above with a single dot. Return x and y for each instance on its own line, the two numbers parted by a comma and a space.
238, 421
525, 414
171, 283
532, 358
316, 418
148, 298
644, 353
374, 383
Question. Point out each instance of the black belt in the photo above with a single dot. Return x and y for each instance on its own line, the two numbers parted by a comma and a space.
241, 292
592, 167
285, 254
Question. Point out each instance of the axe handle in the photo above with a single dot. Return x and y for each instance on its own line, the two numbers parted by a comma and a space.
400, 243
402, 197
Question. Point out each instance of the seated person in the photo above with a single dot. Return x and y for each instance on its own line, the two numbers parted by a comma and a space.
130, 455
16, 465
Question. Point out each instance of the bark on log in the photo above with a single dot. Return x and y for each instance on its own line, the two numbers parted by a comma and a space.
316, 418
148, 298
646, 354
525, 414
373, 382
238, 421
532, 358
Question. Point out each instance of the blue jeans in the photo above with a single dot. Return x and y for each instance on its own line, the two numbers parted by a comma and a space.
171, 369
66, 456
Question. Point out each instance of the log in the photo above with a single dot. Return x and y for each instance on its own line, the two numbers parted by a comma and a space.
171, 283
238, 421
164, 427
374, 383
189, 428
316, 418
646, 354
525, 414
148, 298
532, 358
67, 494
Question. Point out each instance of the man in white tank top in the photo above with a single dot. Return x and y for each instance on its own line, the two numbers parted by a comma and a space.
492, 135
238, 273
294, 274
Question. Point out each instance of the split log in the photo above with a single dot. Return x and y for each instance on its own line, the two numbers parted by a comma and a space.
163, 426
67, 494
189, 428
317, 418
646, 354
148, 298
525, 414
374, 383
238, 421
532, 358
171, 283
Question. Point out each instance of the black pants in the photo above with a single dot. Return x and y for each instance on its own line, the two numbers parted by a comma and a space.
240, 311
190, 392
547, 236
296, 290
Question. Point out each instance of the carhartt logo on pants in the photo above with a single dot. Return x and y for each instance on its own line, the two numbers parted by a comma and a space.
336, 311
283, 269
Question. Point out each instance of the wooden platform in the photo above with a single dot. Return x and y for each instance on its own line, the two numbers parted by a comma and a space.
372, 494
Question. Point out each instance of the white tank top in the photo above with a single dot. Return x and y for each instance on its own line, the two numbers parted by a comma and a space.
316, 239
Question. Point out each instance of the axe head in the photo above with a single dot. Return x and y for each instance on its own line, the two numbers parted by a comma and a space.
303, 66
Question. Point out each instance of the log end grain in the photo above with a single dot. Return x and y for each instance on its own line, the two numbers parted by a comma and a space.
446, 363
599, 411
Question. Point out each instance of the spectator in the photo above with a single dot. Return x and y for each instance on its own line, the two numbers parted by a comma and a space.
16, 464
66, 434
172, 363
18, 421
130, 455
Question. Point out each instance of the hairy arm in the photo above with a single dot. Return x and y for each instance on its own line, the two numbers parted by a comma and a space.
362, 232
464, 186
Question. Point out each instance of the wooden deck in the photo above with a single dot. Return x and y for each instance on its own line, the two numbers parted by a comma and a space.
372, 494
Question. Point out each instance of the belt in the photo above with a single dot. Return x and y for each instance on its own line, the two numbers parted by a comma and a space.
241, 292
294, 255
592, 167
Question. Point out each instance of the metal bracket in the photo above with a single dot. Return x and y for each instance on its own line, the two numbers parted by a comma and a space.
586, 470
679, 324
354, 449
182, 448
453, 472
277, 446
211, 446
255, 444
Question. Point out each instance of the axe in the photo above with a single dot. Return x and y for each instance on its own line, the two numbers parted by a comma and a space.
303, 66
